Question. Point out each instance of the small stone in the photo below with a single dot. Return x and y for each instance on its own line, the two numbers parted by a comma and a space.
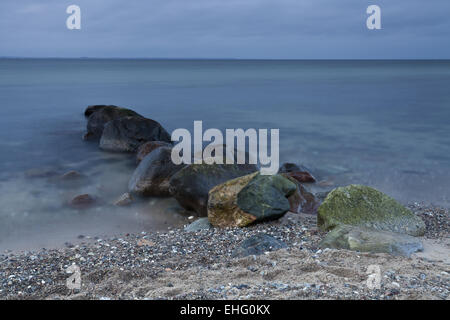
198, 225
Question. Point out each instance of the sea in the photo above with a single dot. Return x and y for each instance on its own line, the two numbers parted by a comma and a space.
385, 124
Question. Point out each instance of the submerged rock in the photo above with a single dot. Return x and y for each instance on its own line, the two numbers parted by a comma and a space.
198, 225
148, 147
302, 200
367, 240
152, 176
190, 185
248, 199
100, 115
257, 245
300, 173
124, 200
363, 206
83, 201
129, 133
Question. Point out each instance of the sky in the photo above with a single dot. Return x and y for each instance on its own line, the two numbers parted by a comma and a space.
260, 29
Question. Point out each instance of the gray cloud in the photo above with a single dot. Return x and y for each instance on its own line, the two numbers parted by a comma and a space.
226, 28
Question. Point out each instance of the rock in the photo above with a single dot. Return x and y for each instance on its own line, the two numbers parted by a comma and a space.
152, 176
302, 200
99, 116
367, 240
363, 206
248, 199
124, 200
129, 133
82, 201
257, 245
91, 109
300, 173
197, 225
148, 147
190, 185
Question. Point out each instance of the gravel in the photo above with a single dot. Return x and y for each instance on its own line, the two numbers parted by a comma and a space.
199, 265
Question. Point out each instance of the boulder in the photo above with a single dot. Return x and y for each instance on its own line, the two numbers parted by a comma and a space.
302, 200
257, 245
367, 240
248, 199
190, 185
300, 173
198, 225
91, 109
129, 133
152, 176
99, 116
148, 147
363, 206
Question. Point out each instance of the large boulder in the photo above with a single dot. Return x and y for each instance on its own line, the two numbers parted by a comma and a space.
367, 240
148, 147
248, 199
129, 133
363, 206
152, 176
190, 185
100, 115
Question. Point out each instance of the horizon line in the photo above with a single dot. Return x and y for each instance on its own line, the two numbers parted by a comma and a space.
228, 58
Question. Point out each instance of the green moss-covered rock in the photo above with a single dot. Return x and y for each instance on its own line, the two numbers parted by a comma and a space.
251, 198
363, 206
367, 240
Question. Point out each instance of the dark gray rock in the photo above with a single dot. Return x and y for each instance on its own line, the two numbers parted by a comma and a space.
152, 176
99, 116
257, 245
129, 133
265, 197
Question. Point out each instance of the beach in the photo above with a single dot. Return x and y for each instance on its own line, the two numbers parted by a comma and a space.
199, 265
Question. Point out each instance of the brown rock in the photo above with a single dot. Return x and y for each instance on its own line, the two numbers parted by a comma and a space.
82, 201
302, 200
300, 173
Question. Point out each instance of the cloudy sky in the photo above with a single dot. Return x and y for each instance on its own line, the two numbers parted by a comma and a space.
298, 29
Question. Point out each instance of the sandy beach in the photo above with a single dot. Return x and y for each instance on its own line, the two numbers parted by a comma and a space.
199, 265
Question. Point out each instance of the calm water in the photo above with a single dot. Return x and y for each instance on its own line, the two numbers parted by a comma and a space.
381, 123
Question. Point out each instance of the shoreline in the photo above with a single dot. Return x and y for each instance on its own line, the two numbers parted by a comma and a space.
199, 265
